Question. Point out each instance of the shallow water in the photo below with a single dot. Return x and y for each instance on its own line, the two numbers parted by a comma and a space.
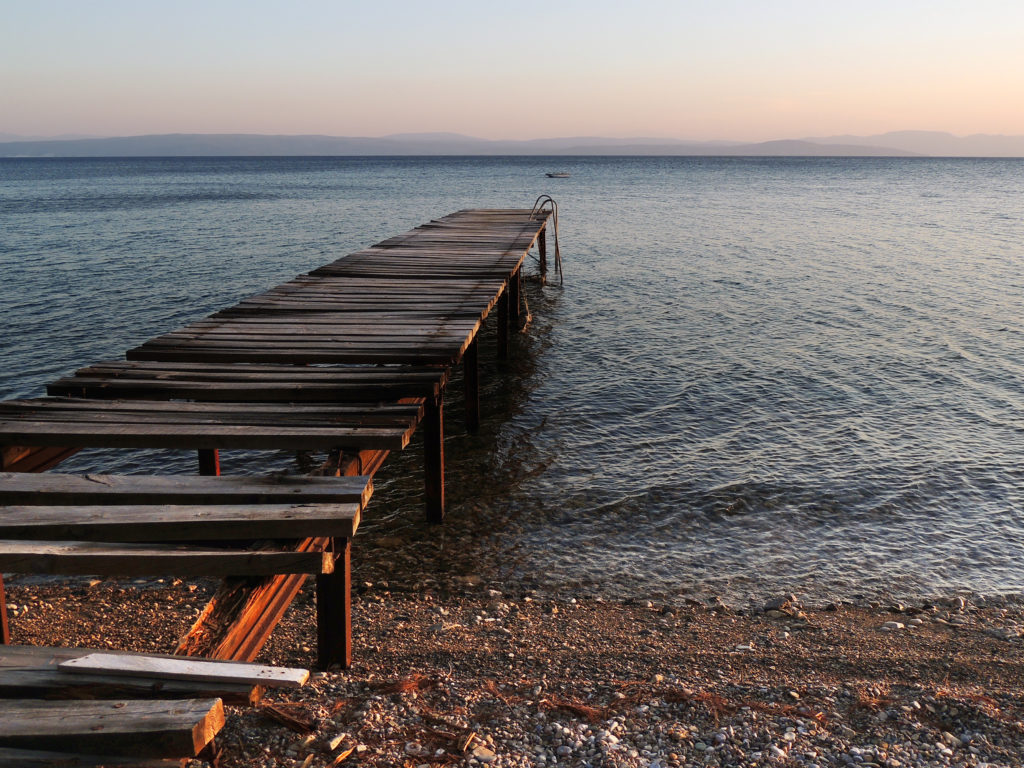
762, 374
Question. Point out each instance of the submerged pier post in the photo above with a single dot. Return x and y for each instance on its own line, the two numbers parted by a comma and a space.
542, 246
433, 459
515, 285
503, 325
471, 380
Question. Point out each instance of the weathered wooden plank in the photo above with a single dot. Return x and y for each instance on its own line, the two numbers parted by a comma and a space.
426, 261
89, 558
60, 489
167, 522
241, 327
253, 412
200, 436
252, 352
253, 371
120, 728
414, 306
132, 665
304, 340
240, 391
326, 355
53, 685
95, 411
32, 758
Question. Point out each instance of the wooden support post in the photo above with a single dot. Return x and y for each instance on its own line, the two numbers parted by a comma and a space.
515, 285
542, 246
334, 609
471, 380
503, 326
209, 461
433, 458
5, 629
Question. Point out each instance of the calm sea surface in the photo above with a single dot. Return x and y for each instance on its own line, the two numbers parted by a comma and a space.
761, 375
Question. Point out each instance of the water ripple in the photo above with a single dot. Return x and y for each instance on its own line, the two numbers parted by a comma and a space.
763, 374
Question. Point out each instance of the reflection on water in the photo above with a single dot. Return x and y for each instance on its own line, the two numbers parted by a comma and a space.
762, 375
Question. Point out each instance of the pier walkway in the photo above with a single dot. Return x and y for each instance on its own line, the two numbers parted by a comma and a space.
350, 359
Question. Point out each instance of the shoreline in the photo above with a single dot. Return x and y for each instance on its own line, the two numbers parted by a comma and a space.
540, 680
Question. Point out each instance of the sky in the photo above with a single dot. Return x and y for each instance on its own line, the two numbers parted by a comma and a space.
738, 70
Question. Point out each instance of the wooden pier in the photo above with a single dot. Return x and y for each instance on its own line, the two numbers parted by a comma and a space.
350, 359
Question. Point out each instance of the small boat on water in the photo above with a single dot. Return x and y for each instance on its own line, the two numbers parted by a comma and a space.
557, 175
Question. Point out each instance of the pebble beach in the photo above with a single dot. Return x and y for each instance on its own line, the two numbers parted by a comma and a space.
471, 673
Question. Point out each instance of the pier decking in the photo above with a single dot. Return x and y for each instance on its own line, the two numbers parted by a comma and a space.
350, 358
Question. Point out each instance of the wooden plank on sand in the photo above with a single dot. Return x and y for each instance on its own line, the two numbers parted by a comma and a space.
186, 669
123, 728
32, 758
49, 683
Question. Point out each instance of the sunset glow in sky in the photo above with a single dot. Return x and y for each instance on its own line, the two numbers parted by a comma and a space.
689, 69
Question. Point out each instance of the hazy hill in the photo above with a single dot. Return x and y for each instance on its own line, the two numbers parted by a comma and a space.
899, 143
937, 143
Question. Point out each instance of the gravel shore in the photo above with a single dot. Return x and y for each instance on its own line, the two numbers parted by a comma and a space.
471, 673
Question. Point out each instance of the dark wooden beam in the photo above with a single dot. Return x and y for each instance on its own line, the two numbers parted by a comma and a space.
209, 461
5, 629
334, 609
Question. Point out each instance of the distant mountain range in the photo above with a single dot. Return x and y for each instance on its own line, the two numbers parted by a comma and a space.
894, 144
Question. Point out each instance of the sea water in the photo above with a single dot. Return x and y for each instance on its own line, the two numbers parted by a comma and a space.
761, 374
